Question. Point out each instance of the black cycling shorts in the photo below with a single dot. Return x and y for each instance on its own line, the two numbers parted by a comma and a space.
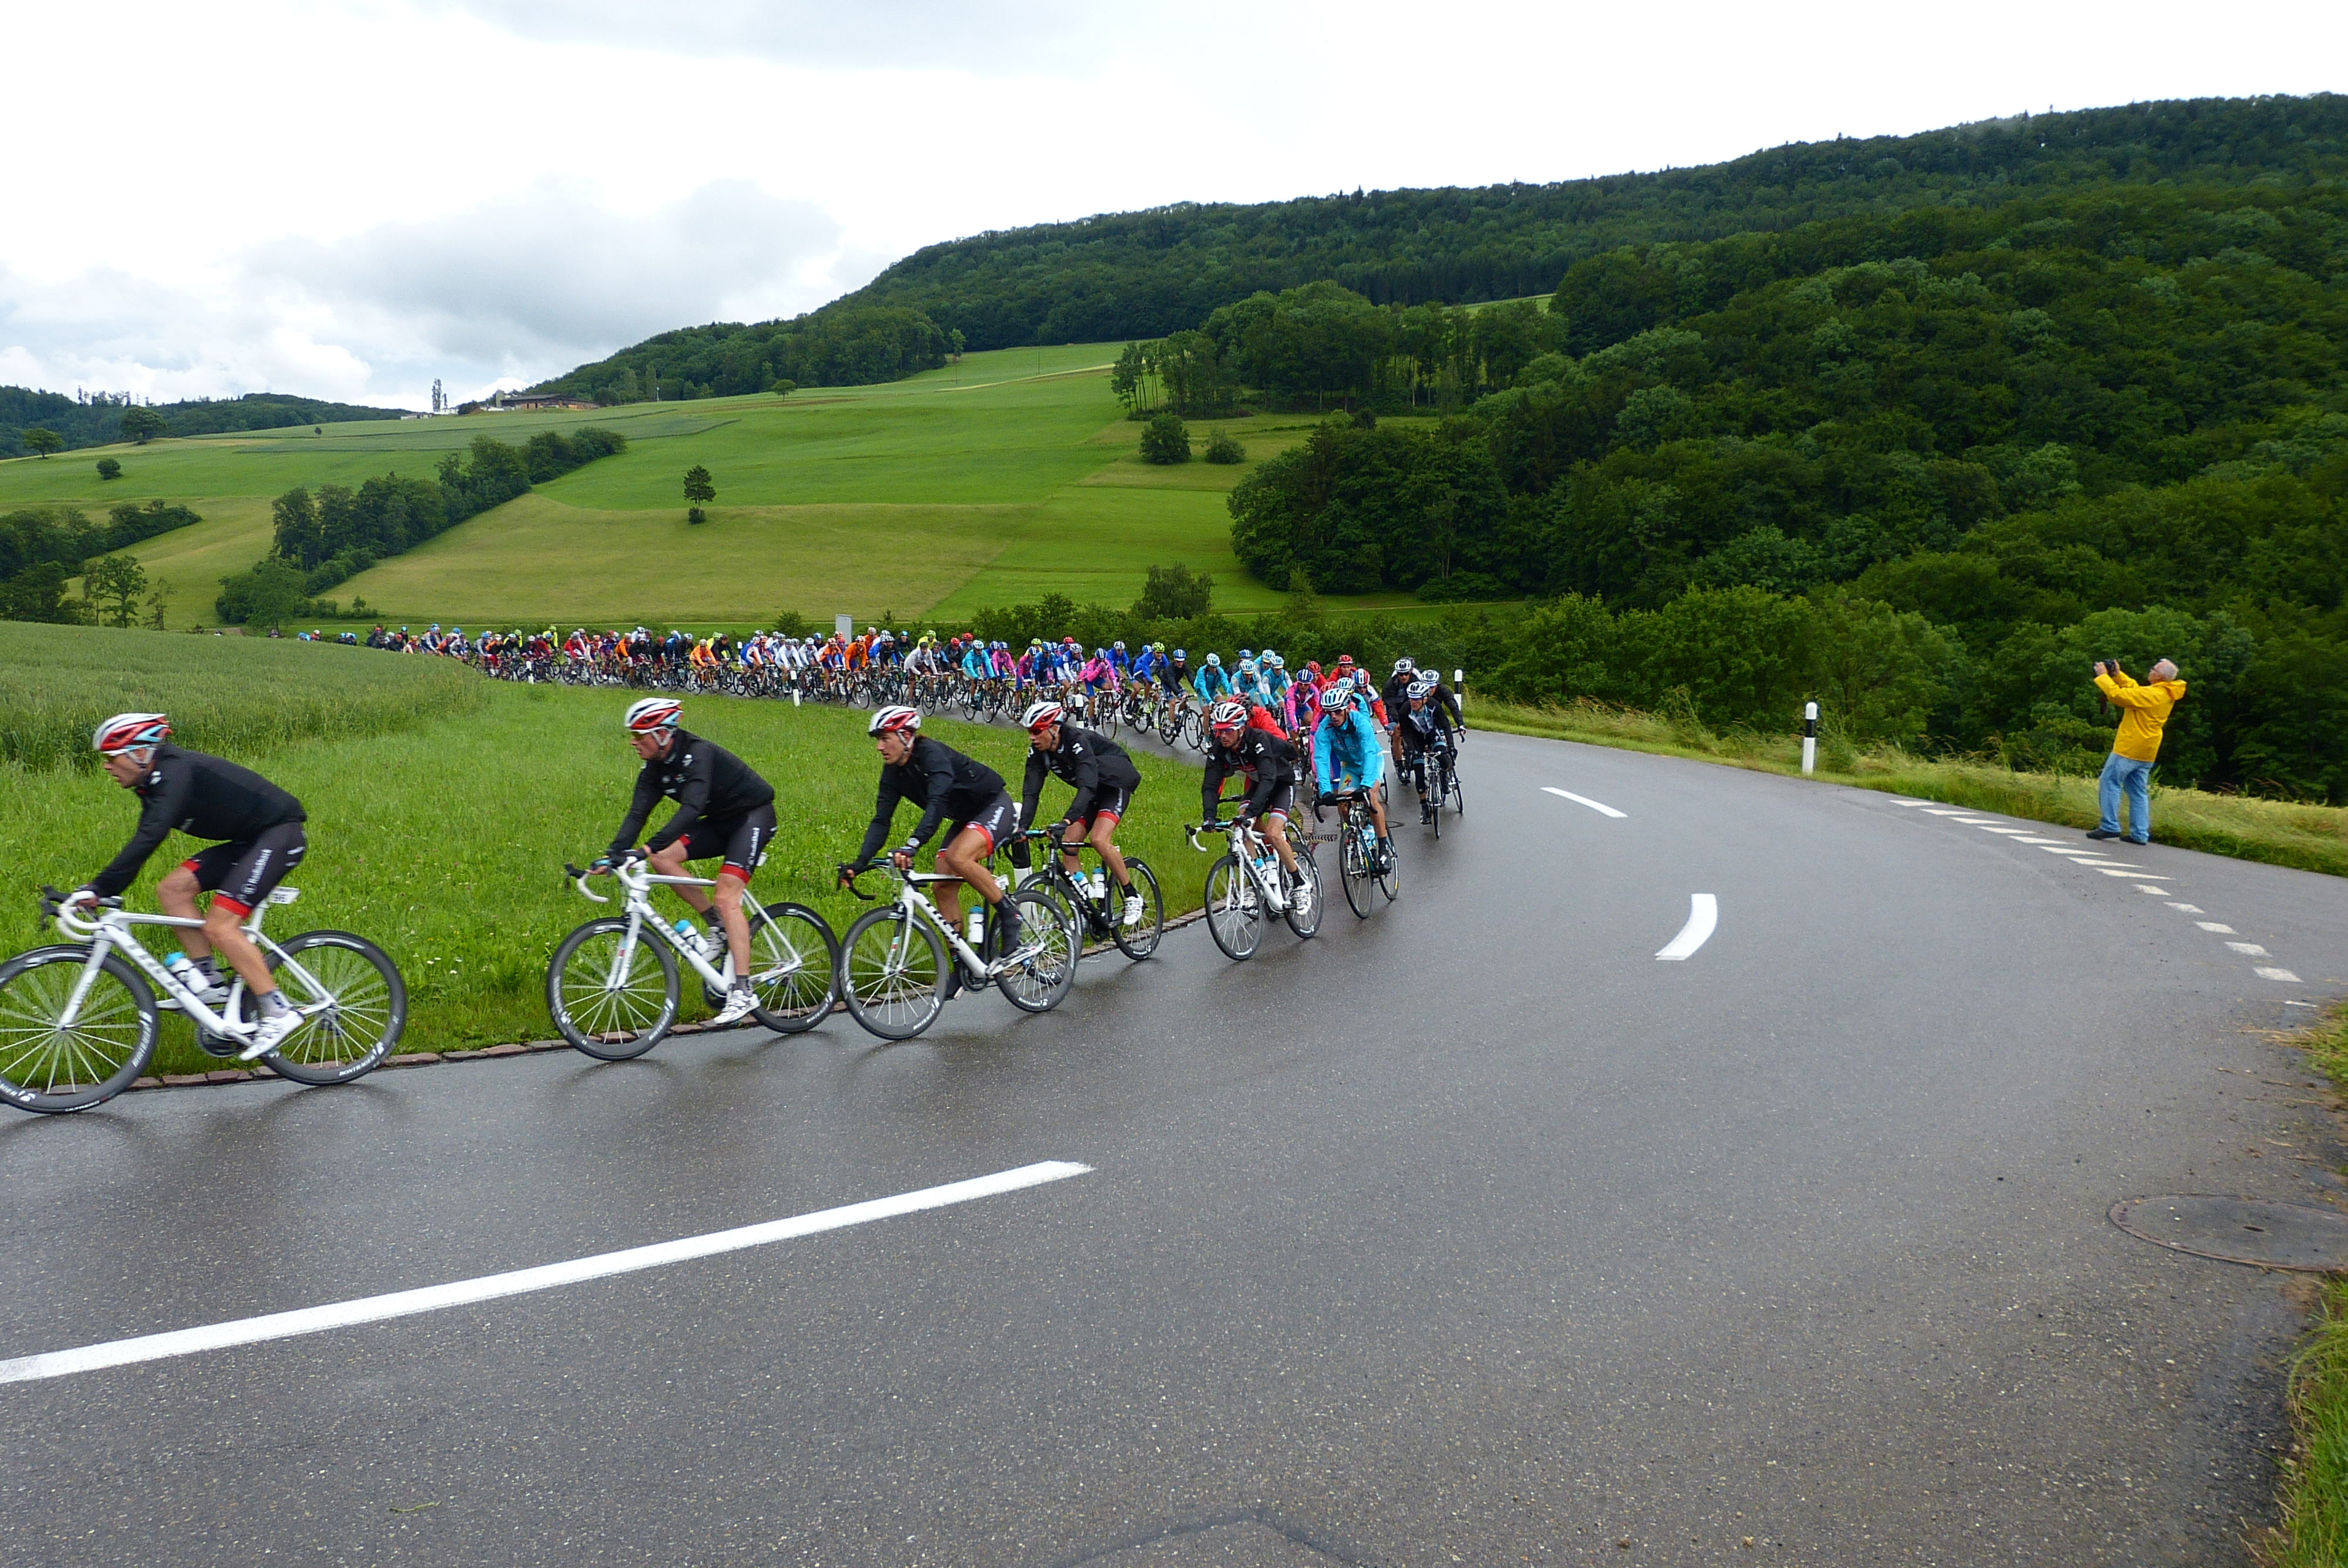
1111, 801
1282, 802
996, 819
742, 840
240, 874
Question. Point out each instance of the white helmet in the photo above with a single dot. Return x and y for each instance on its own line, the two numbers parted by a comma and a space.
895, 719
1039, 715
129, 733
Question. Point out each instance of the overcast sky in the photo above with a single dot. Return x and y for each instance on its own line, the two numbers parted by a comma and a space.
346, 198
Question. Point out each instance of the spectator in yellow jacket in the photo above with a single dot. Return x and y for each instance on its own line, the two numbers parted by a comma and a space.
2143, 711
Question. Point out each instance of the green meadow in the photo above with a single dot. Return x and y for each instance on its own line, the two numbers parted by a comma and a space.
442, 806
1008, 476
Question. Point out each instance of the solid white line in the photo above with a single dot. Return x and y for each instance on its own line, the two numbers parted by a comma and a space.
2131, 876
1704, 914
489, 1287
1601, 809
2266, 974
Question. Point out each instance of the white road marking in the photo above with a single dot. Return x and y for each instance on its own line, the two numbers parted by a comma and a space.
2155, 892
1934, 811
1704, 914
2075, 850
2208, 924
2132, 874
1600, 808
2250, 949
2039, 840
2267, 974
517, 1282
1991, 827
2099, 863
2188, 909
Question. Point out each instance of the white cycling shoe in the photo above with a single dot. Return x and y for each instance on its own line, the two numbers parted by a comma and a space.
1133, 910
1303, 896
269, 1034
739, 1001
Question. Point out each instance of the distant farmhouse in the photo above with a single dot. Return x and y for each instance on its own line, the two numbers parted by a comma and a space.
515, 402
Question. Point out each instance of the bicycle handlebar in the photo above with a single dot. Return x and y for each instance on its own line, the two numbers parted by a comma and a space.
579, 880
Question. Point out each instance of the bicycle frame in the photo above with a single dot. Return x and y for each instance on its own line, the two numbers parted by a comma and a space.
917, 907
111, 932
639, 882
1241, 837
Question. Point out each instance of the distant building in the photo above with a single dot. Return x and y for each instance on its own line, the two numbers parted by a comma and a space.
514, 402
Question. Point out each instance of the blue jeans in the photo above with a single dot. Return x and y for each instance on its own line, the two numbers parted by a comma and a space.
2126, 774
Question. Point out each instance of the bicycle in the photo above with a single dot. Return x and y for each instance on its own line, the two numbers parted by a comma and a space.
892, 961
1250, 879
600, 983
1360, 862
1096, 907
79, 1019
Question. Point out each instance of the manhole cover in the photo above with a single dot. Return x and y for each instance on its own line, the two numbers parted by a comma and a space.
2240, 1230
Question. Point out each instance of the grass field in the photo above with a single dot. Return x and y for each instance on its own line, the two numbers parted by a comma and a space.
989, 482
440, 815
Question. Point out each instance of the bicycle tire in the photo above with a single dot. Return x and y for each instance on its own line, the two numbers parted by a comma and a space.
1354, 870
1234, 910
1387, 874
34, 987
616, 1025
787, 1004
1042, 982
1139, 941
360, 1028
888, 990
1308, 871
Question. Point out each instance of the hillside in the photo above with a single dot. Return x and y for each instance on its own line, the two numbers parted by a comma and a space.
97, 422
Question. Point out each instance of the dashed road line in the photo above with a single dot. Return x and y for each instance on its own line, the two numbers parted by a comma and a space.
1704, 914
1600, 808
2222, 931
521, 1281
2265, 973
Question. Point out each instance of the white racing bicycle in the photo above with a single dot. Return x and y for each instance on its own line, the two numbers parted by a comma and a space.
79, 1019
892, 962
1248, 882
613, 989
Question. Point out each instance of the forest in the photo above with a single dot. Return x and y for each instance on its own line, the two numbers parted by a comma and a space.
97, 421
2116, 418
839, 346
43, 547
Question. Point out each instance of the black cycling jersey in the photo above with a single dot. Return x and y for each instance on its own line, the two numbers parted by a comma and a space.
1087, 762
947, 783
203, 797
1395, 694
705, 779
1268, 761
1442, 710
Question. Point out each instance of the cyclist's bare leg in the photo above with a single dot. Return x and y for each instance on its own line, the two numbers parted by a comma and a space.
1275, 831
670, 862
1104, 839
228, 938
965, 857
176, 894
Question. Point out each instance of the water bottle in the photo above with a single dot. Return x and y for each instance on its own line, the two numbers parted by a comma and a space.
183, 970
977, 926
1100, 886
687, 934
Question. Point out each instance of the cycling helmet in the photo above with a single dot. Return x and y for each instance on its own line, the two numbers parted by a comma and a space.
1422, 688
651, 713
1227, 715
1180, 654
1337, 701
1039, 715
1120, 647
1246, 654
895, 719
129, 733
1404, 667
1100, 652
1272, 661
1216, 659
1345, 661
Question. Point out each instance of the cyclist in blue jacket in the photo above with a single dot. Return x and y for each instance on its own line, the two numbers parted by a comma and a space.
1210, 683
1348, 754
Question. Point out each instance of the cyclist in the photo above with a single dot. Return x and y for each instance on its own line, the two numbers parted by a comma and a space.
261, 837
1210, 681
1347, 750
1269, 763
953, 788
723, 808
1104, 777
1429, 708
1395, 693
1176, 675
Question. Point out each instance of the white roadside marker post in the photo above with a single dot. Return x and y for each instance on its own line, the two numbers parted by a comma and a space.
1459, 686
1810, 738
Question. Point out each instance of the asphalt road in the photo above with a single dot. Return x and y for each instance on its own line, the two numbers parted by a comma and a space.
1469, 1234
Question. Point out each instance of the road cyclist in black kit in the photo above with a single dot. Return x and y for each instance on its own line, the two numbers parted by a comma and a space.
1105, 779
78, 1021
723, 809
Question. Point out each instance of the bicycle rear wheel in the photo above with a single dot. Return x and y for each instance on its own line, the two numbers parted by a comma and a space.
1040, 982
1140, 940
794, 968
1308, 873
361, 1006
1354, 869
608, 999
1388, 872
47, 1065
1234, 909
891, 970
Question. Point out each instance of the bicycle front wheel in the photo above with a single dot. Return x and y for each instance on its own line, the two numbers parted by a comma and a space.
1140, 939
1234, 910
50, 1063
891, 970
794, 968
1040, 983
611, 997
355, 1004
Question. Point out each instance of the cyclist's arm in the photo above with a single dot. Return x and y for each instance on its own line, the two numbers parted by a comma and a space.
639, 807
156, 813
1320, 748
1087, 784
884, 809
1210, 792
1031, 788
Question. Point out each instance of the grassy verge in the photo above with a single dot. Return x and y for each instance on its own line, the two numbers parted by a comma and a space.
2313, 1500
445, 842
2310, 837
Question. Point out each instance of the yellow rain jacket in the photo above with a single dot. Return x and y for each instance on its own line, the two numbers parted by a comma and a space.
2143, 711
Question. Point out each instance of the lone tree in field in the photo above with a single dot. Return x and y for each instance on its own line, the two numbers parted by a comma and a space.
1166, 439
142, 424
118, 583
44, 441
109, 468
1174, 593
698, 491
